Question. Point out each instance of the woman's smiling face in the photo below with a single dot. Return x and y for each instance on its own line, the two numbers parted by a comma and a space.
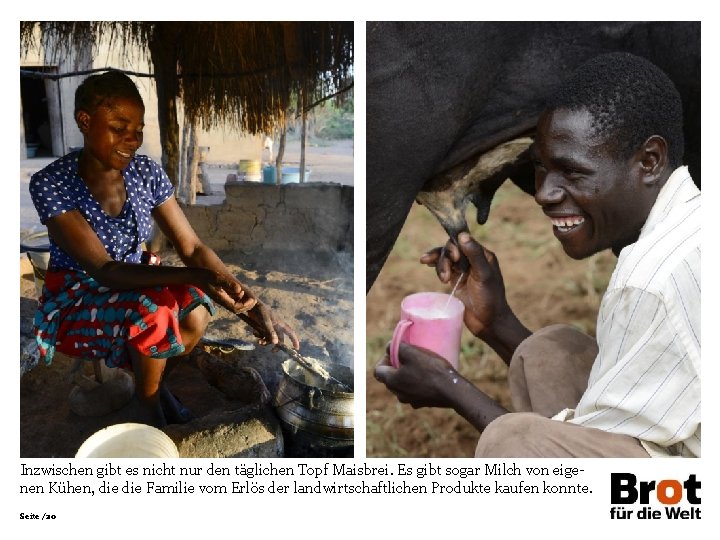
113, 132
595, 200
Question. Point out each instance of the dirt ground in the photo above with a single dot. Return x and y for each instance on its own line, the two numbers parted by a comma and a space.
543, 286
313, 292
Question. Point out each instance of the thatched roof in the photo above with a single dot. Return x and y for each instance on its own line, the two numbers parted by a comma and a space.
241, 74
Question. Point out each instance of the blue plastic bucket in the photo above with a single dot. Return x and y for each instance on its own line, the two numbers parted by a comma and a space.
269, 174
32, 149
291, 175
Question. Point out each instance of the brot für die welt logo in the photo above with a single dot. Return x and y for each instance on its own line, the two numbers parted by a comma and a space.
680, 499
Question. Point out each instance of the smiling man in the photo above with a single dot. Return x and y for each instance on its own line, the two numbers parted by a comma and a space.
609, 175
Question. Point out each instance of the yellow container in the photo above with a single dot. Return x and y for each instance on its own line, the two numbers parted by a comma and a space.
249, 170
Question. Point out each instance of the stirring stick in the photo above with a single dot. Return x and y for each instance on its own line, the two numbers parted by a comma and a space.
453, 291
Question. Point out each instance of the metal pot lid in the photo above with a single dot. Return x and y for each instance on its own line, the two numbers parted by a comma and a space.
304, 377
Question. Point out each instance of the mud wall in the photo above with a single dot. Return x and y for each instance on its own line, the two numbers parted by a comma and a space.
313, 216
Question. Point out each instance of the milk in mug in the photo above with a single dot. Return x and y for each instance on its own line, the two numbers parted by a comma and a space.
433, 321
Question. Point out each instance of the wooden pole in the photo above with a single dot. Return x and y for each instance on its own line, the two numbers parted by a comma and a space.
280, 155
168, 123
193, 159
164, 62
303, 133
184, 141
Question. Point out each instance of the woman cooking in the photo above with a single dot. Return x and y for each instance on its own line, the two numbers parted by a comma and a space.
100, 300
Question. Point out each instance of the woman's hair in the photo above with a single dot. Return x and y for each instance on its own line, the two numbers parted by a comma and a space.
98, 89
630, 99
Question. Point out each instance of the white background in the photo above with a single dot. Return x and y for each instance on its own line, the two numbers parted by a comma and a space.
317, 516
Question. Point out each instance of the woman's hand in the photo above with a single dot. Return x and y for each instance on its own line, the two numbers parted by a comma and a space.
234, 296
239, 299
228, 292
267, 329
216, 280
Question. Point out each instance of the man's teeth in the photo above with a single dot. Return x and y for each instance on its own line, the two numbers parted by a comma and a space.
123, 154
565, 224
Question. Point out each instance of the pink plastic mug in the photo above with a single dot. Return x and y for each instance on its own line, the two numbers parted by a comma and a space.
432, 321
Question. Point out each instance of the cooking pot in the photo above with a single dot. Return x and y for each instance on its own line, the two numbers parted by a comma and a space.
307, 403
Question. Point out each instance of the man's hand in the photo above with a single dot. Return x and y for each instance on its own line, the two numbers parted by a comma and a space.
422, 380
426, 380
482, 290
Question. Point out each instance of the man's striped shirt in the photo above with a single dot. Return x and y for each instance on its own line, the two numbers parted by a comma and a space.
645, 381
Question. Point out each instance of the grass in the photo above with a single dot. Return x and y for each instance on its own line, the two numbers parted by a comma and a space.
381, 438
375, 349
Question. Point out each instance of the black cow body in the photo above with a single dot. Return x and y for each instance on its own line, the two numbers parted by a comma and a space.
442, 95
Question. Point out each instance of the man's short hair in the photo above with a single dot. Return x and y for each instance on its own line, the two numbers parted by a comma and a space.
98, 89
630, 99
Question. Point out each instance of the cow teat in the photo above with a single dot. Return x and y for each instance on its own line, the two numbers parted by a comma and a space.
448, 194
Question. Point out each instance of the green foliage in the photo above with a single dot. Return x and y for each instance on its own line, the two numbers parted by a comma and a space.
333, 122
